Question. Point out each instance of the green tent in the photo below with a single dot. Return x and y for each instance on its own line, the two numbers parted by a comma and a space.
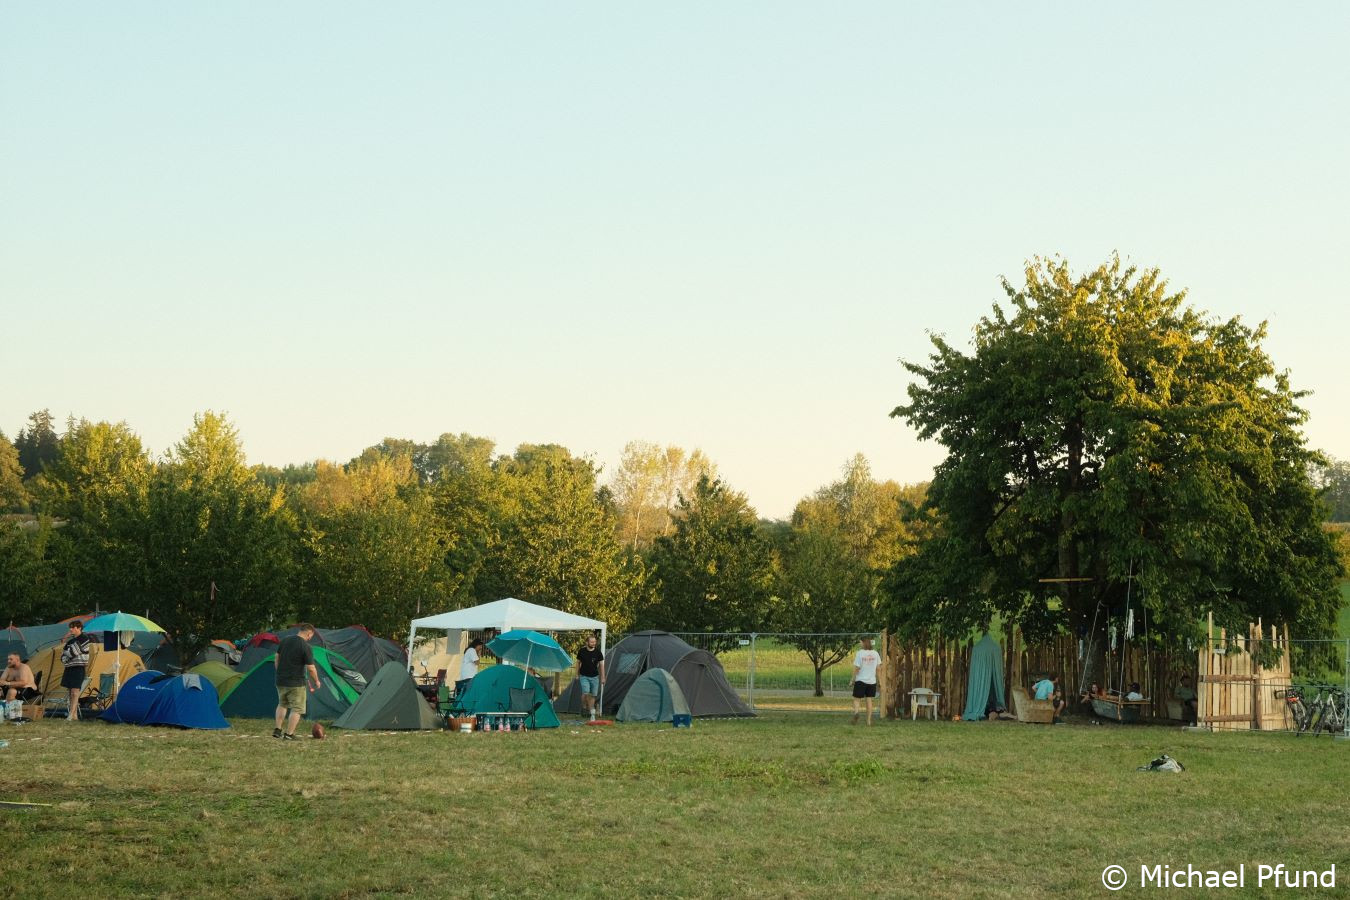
654, 697
220, 675
490, 691
390, 702
984, 690
255, 695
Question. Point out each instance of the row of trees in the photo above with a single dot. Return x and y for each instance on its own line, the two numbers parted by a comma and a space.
209, 546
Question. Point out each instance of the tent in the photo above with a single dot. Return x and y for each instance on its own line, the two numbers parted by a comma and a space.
504, 615
654, 697
218, 651
697, 672
366, 652
391, 702
490, 691
255, 695
134, 699
48, 669
256, 649
222, 676
986, 679
153, 698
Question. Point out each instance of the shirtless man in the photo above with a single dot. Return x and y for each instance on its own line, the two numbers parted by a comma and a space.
16, 679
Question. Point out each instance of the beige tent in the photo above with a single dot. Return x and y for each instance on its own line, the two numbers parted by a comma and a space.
47, 668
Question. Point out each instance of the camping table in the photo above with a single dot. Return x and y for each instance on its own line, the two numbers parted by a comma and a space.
487, 721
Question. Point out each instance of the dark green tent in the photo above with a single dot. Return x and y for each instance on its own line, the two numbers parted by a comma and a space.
390, 702
255, 695
654, 697
490, 691
985, 687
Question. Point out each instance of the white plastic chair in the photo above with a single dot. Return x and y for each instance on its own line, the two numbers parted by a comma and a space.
923, 698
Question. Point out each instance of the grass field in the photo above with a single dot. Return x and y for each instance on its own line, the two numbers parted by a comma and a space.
786, 805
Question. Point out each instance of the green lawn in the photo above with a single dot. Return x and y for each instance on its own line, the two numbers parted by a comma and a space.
786, 805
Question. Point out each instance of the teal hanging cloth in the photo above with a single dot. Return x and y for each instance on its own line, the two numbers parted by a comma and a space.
986, 679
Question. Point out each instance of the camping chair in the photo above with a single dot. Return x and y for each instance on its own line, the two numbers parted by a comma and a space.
522, 701
107, 683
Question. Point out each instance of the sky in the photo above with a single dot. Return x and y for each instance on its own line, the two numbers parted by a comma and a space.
704, 224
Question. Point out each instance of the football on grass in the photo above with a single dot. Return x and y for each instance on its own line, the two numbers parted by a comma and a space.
317, 732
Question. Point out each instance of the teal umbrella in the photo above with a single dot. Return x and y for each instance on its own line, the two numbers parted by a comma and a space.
531, 650
119, 622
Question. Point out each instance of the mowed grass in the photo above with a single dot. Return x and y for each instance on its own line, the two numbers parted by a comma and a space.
786, 805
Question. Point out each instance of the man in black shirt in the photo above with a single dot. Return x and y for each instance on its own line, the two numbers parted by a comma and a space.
591, 674
295, 671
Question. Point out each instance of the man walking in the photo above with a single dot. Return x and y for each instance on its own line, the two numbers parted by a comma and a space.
75, 657
591, 674
865, 664
295, 671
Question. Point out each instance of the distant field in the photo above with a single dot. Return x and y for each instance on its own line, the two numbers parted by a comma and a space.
786, 805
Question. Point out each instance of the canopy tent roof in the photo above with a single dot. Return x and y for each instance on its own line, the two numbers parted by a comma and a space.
505, 615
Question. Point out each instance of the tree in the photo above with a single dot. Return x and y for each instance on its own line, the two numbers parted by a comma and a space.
1333, 481
30, 583
554, 541
1102, 429
715, 569
646, 485
38, 443
13, 495
843, 538
371, 545
218, 543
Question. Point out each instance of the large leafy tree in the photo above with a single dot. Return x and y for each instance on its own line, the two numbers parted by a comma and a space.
13, 495
844, 537
218, 542
646, 485
371, 544
554, 541
1102, 429
715, 571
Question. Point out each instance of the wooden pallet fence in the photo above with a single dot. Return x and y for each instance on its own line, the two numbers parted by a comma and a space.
1236, 692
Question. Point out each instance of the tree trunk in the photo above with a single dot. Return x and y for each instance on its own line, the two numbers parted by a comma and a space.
1068, 521
820, 692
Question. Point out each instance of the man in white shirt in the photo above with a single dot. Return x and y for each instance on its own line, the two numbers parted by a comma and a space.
865, 664
468, 666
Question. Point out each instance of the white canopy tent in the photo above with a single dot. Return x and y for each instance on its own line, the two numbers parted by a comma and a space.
504, 615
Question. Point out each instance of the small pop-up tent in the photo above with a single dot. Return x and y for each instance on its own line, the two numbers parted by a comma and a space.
153, 698
390, 702
490, 691
984, 690
222, 676
697, 672
255, 695
654, 697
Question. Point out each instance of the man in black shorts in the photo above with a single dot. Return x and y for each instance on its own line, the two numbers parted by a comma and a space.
865, 664
295, 671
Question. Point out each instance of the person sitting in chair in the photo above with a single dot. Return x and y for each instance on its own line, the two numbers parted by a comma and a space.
17, 683
1186, 694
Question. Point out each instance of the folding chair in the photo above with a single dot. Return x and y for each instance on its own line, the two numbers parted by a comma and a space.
107, 683
522, 701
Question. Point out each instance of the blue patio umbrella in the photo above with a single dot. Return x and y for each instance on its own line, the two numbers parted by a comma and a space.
531, 650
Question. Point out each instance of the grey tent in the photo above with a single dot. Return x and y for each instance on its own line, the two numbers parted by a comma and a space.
697, 672
366, 652
984, 691
390, 702
654, 697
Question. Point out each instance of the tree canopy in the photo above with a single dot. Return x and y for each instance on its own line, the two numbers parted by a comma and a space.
1102, 429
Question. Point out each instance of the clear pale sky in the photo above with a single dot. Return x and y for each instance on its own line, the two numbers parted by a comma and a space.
715, 225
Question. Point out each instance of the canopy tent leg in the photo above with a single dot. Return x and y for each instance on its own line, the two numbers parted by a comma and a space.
412, 636
600, 701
